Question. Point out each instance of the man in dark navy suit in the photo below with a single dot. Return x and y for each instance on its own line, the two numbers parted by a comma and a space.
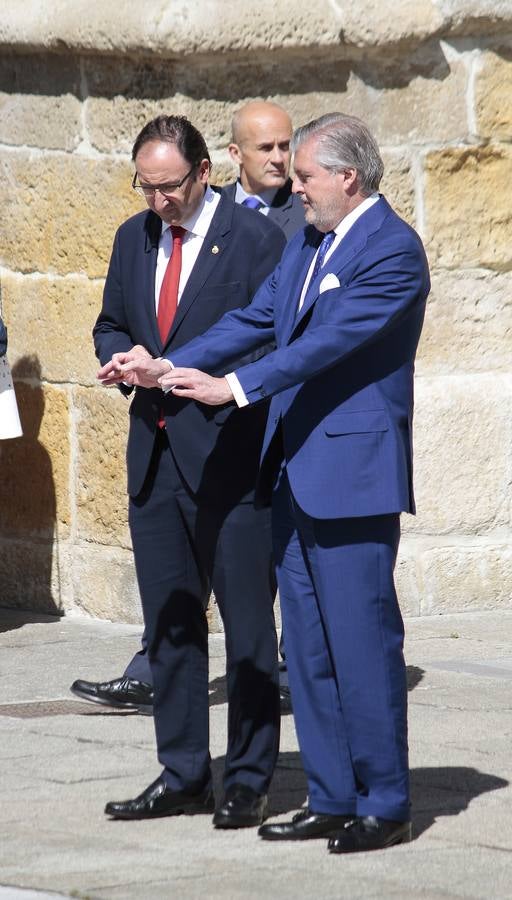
261, 132
260, 146
175, 269
345, 308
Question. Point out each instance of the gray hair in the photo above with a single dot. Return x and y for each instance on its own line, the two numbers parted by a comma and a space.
344, 142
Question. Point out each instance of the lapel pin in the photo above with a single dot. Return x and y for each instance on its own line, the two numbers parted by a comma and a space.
215, 249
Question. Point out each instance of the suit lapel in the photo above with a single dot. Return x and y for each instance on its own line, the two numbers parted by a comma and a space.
312, 239
352, 244
153, 227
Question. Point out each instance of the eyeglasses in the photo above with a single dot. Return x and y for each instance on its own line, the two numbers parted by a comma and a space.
148, 190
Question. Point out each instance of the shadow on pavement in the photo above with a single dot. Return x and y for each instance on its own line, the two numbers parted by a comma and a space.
11, 619
447, 791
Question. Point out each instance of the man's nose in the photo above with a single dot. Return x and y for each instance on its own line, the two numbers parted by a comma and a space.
277, 155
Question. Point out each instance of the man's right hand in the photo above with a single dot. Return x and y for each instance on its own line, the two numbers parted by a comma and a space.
111, 374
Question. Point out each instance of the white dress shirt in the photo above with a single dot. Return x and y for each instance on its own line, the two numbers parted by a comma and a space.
196, 227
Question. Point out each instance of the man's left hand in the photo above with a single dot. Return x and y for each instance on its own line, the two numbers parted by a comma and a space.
144, 371
197, 385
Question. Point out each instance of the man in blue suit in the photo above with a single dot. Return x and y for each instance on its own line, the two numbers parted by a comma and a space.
345, 308
175, 269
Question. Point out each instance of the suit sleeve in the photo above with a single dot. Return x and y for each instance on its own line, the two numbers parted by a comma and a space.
343, 320
382, 292
237, 333
111, 332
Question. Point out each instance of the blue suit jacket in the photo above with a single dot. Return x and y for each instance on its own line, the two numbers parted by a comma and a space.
286, 210
217, 450
341, 376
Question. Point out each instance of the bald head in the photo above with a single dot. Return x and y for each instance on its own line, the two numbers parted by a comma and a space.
260, 145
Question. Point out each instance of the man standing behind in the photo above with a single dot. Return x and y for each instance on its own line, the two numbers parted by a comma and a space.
261, 132
191, 474
261, 135
345, 307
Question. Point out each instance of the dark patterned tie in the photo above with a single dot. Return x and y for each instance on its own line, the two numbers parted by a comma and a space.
322, 250
319, 261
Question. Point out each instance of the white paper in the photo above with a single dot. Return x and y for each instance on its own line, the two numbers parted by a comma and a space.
10, 425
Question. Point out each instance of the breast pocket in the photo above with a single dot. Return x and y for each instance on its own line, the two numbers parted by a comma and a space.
365, 421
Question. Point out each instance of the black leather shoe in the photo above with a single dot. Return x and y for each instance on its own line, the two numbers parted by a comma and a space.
123, 693
242, 808
304, 826
158, 800
369, 833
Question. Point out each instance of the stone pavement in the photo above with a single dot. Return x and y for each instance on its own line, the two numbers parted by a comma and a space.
62, 759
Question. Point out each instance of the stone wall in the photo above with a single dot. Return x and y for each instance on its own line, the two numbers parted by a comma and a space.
77, 81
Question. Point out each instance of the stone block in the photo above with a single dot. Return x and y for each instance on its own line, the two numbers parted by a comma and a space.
372, 25
475, 17
57, 317
101, 501
181, 28
34, 488
468, 216
402, 99
468, 323
105, 584
463, 448
49, 118
114, 123
66, 209
35, 575
467, 578
398, 185
493, 90
408, 579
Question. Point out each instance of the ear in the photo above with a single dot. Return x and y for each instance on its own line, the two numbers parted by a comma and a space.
204, 171
235, 153
350, 180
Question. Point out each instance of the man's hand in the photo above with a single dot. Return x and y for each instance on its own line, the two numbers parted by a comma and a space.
143, 371
197, 385
111, 372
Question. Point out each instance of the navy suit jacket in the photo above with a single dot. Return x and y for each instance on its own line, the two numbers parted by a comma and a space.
341, 376
216, 450
286, 210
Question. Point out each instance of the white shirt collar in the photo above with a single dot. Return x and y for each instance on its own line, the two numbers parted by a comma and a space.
346, 224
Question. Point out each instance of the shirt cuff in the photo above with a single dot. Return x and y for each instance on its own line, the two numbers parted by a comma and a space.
236, 387
164, 359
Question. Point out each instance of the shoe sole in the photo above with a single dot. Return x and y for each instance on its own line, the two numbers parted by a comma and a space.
188, 810
403, 839
131, 707
245, 823
300, 837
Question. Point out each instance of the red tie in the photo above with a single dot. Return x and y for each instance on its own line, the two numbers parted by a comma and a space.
168, 300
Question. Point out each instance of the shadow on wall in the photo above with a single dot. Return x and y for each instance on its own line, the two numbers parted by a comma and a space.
27, 502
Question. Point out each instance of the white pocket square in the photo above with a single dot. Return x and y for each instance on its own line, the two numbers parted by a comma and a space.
329, 282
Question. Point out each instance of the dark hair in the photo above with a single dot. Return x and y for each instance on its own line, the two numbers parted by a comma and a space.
174, 130
344, 141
